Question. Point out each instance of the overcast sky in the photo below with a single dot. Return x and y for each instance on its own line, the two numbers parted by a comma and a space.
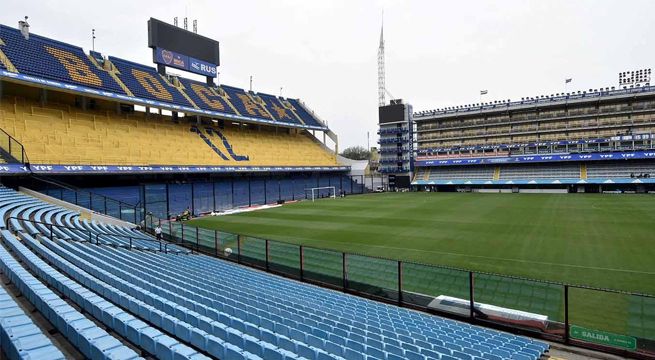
438, 53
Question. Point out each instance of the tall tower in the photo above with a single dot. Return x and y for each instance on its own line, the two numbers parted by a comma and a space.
381, 86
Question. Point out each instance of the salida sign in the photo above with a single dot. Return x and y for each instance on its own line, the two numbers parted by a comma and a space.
603, 338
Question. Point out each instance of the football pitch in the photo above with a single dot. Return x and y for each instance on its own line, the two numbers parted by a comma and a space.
597, 240
605, 241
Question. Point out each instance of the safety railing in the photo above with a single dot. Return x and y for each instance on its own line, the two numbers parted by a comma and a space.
12, 149
53, 231
604, 319
86, 199
131, 240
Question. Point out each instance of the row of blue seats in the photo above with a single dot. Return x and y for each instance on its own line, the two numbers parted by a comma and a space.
203, 96
205, 330
51, 59
277, 109
65, 224
196, 300
20, 338
89, 294
31, 57
293, 301
90, 340
308, 118
207, 342
150, 86
530, 347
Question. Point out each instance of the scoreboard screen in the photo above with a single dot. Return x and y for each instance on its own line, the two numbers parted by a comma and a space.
177, 40
400, 181
391, 113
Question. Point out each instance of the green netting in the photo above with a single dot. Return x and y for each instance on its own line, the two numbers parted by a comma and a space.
253, 251
323, 266
165, 228
175, 230
151, 223
227, 245
423, 283
372, 275
641, 317
190, 236
284, 258
629, 316
519, 294
206, 240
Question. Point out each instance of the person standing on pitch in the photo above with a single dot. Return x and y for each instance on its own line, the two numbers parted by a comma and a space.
158, 232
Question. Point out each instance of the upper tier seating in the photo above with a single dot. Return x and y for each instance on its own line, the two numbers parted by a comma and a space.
60, 134
144, 81
306, 117
206, 97
245, 104
540, 171
457, 172
187, 306
55, 60
278, 110
507, 172
620, 170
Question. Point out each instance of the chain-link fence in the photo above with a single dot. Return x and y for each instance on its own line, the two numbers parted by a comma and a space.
98, 203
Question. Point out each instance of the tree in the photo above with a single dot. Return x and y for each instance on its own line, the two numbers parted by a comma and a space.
356, 153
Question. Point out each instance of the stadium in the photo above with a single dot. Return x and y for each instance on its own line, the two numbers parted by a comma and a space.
150, 211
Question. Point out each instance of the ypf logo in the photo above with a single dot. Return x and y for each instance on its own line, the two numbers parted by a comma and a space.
167, 56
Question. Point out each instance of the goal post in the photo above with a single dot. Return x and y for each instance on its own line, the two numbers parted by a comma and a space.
316, 192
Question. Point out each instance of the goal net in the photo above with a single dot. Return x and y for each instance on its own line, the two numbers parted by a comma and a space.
322, 192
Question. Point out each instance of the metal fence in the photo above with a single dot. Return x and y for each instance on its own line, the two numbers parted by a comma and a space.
96, 202
608, 320
13, 151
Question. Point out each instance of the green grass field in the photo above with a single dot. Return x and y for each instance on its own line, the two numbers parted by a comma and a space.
597, 240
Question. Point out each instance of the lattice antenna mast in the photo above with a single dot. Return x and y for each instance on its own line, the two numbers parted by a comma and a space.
381, 76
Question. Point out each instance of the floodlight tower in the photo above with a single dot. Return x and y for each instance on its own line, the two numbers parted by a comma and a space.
381, 86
